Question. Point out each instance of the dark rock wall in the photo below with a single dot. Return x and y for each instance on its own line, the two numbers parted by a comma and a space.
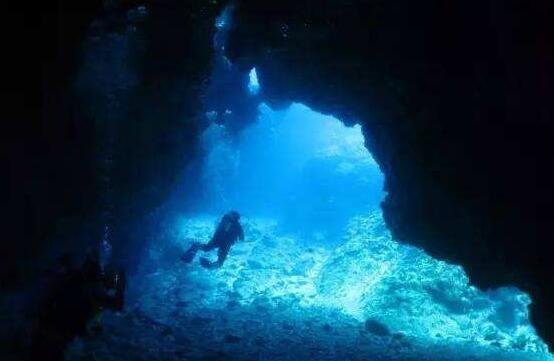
455, 100
46, 148
142, 85
104, 100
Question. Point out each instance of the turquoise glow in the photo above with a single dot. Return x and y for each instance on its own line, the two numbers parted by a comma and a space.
253, 83
368, 277
303, 179
302, 168
224, 19
318, 277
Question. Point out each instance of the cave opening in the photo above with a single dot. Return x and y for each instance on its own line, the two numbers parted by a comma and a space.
307, 171
319, 274
318, 264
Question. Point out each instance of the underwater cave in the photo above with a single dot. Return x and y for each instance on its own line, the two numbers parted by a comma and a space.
279, 180
319, 275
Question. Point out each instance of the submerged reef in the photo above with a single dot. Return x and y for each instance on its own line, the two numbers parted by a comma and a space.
370, 298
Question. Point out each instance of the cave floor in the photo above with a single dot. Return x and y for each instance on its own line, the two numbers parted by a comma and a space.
276, 299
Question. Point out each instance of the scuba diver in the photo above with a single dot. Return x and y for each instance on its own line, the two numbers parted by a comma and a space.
226, 234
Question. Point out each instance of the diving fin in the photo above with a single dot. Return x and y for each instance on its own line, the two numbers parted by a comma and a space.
188, 256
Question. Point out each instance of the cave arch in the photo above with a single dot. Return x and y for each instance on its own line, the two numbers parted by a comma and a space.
443, 125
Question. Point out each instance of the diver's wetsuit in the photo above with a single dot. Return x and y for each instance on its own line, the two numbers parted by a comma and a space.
226, 234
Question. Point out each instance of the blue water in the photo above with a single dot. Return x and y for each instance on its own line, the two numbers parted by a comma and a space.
318, 275
302, 168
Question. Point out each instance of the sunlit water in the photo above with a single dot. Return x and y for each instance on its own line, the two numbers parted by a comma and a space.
318, 275
306, 170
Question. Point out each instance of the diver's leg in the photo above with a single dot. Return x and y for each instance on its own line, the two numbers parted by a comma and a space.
222, 253
209, 246
191, 252
195, 247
